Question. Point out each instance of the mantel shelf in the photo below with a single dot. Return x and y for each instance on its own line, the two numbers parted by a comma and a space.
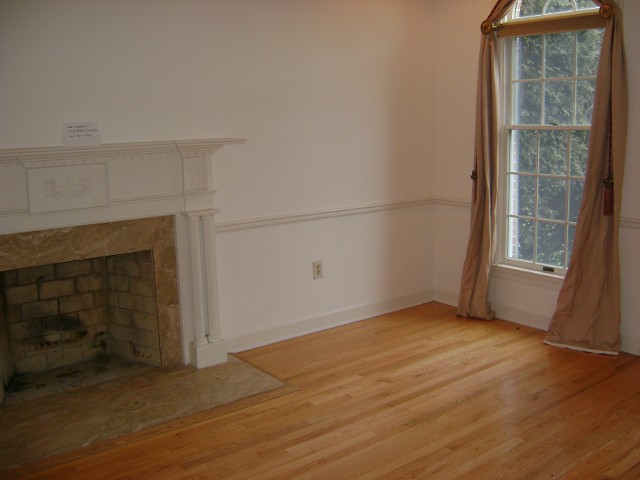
17, 155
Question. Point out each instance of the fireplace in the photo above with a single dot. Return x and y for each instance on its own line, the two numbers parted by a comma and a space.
75, 293
81, 280
60, 314
94, 209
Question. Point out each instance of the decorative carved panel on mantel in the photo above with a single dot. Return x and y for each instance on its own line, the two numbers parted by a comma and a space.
114, 181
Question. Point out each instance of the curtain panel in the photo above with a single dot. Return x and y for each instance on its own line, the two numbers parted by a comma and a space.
587, 315
474, 285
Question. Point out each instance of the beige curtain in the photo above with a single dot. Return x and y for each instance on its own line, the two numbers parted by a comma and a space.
474, 285
587, 315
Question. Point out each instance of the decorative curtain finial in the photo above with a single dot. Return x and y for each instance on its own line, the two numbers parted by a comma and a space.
487, 27
606, 10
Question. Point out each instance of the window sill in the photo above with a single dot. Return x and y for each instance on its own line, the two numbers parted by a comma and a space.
530, 277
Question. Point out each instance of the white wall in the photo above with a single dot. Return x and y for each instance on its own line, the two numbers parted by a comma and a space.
344, 104
527, 298
630, 237
332, 96
454, 87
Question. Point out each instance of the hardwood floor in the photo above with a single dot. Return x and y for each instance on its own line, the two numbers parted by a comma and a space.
418, 393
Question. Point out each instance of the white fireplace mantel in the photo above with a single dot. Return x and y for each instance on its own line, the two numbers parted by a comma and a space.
63, 186
56, 187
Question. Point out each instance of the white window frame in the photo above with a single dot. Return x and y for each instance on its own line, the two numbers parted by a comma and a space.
587, 20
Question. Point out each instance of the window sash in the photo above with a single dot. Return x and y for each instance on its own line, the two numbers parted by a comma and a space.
507, 213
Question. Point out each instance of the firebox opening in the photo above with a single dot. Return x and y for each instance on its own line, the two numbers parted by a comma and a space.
57, 315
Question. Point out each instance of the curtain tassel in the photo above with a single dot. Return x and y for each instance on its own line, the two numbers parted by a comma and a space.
607, 205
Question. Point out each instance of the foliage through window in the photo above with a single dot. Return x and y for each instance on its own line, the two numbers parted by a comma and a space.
551, 84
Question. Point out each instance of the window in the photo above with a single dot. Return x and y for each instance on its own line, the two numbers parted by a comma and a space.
549, 88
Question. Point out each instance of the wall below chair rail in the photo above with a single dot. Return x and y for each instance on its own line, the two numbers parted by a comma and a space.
373, 263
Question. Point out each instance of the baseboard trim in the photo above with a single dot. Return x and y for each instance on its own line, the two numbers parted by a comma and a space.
521, 317
630, 344
448, 298
247, 341
503, 312
214, 353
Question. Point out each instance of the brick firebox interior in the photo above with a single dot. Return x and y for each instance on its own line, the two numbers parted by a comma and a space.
60, 314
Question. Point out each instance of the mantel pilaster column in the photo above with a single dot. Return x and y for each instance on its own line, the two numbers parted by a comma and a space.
211, 273
197, 278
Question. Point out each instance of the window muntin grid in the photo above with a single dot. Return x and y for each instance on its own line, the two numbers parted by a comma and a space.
551, 88
537, 8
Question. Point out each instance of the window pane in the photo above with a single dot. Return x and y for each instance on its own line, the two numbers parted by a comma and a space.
558, 6
528, 64
553, 152
586, 4
575, 197
570, 236
559, 55
522, 190
552, 198
524, 151
558, 97
552, 79
520, 246
579, 150
589, 45
585, 90
528, 8
528, 103
550, 244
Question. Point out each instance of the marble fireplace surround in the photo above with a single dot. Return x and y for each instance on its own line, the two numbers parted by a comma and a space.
59, 204
32, 249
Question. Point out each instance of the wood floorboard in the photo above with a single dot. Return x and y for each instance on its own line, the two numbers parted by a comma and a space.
418, 393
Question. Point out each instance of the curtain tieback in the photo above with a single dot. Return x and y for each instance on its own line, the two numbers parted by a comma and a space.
474, 178
607, 205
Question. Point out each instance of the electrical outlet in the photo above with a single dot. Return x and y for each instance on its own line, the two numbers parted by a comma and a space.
317, 269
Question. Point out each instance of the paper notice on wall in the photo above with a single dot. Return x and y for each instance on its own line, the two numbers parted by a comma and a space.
80, 134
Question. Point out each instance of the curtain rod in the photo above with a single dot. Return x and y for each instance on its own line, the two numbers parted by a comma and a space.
555, 24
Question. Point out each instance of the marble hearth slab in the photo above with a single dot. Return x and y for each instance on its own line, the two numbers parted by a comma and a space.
100, 416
